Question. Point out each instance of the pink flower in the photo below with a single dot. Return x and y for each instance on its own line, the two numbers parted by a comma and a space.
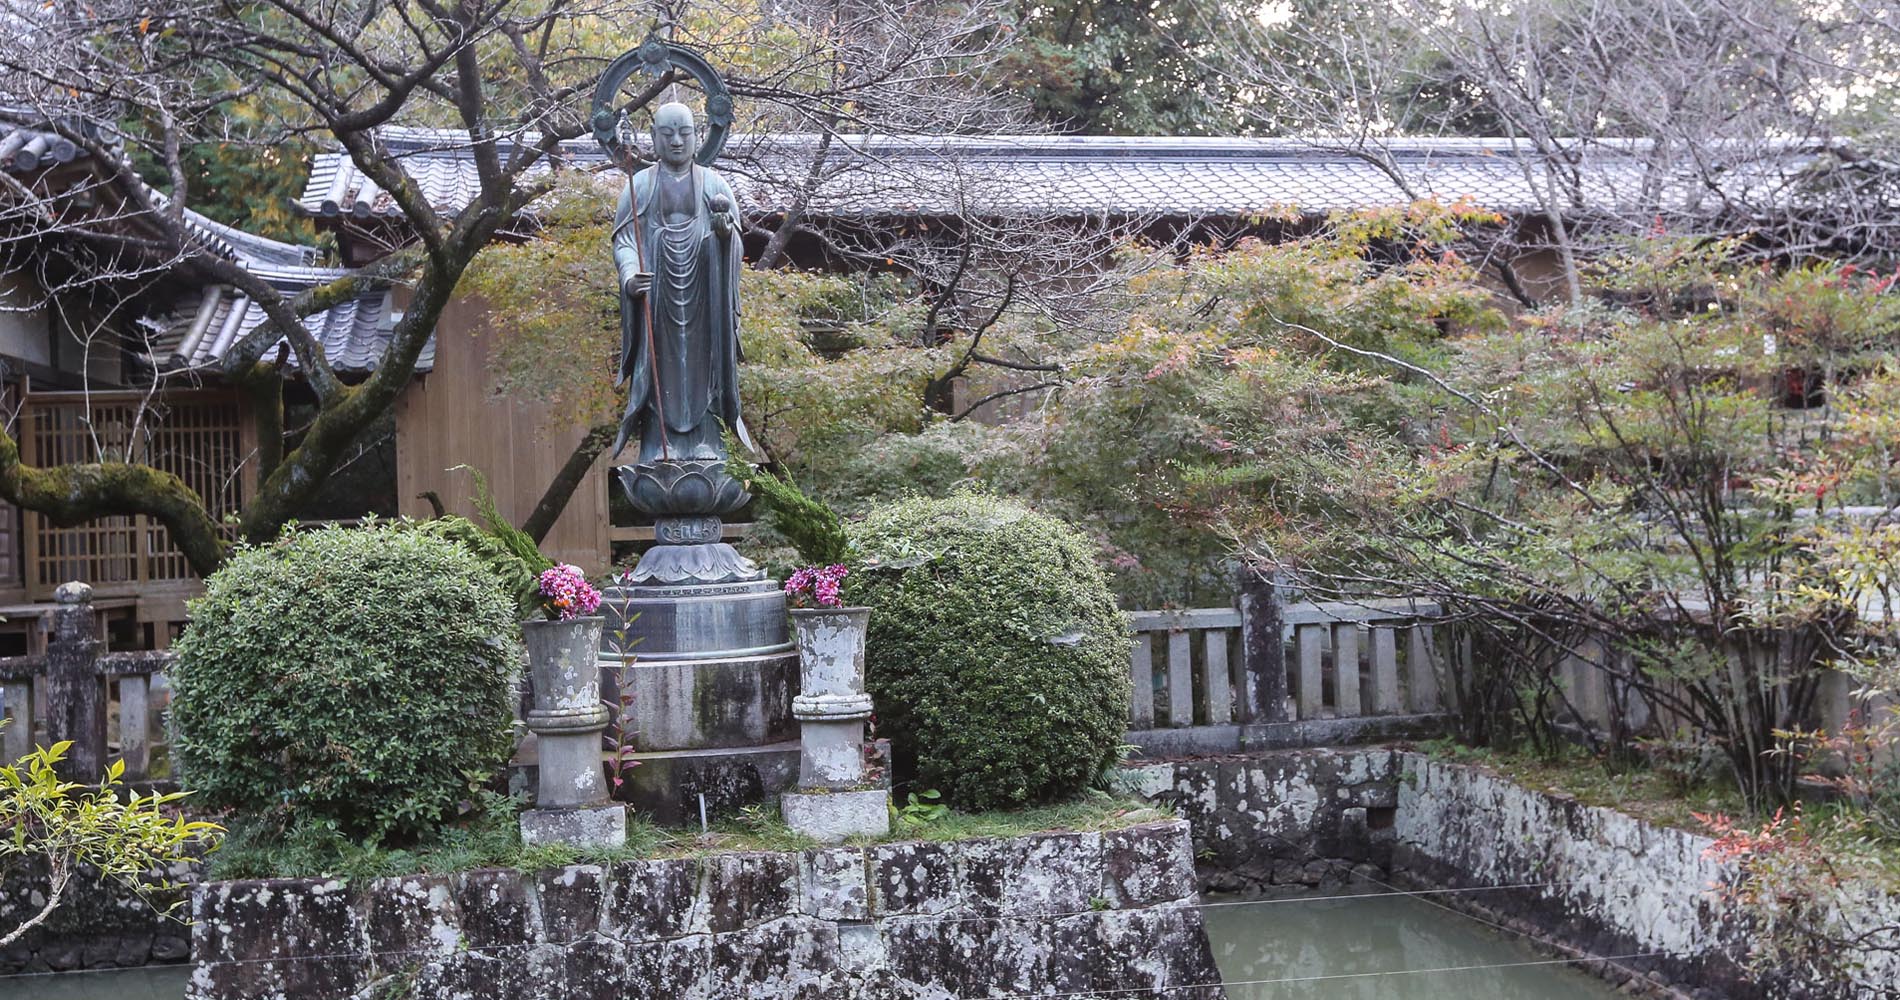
817, 586
565, 593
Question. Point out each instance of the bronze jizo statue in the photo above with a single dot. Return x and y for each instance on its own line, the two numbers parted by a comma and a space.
677, 250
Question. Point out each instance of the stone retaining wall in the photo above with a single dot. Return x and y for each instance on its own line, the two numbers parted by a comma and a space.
98, 925
1591, 881
1067, 913
1283, 819
1604, 882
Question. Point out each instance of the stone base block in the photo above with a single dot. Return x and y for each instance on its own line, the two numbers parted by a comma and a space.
667, 786
587, 826
830, 817
698, 704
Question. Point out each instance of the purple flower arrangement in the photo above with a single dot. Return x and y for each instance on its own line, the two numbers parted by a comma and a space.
817, 586
565, 593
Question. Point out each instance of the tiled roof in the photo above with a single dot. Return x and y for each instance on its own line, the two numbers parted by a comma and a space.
198, 331
24, 150
195, 331
871, 177
28, 146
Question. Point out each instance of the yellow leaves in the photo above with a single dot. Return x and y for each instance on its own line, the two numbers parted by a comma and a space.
66, 822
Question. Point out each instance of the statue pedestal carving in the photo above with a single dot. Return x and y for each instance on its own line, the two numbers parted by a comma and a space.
686, 498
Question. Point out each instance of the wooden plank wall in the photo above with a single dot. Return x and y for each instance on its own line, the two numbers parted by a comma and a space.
453, 416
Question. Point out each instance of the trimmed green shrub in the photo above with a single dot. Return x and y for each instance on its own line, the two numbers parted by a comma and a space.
354, 677
997, 659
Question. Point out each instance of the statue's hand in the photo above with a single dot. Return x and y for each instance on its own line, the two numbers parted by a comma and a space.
721, 209
638, 283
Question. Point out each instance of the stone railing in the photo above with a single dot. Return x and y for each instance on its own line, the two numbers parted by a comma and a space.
70, 692
1268, 673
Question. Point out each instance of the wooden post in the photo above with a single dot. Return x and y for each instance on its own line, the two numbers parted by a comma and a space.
16, 740
1262, 649
135, 745
75, 693
1309, 642
1385, 671
1421, 674
1220, 704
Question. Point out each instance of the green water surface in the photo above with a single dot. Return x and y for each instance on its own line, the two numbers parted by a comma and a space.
1378, 948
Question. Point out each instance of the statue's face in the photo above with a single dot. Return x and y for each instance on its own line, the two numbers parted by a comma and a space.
673, 136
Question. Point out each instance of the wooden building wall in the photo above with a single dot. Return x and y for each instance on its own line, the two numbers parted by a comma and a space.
453, 416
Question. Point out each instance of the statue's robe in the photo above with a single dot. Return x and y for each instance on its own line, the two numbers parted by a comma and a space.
679, 349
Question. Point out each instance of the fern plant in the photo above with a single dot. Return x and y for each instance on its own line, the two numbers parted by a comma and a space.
813, 528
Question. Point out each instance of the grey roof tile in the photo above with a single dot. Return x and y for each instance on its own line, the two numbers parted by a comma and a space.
1067, 175
24, 150
198, 331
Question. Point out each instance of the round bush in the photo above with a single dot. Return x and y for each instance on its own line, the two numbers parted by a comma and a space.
997, 659
360, 676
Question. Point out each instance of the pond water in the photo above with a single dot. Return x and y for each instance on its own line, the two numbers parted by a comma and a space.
1357, 948
1376, 948
164, 982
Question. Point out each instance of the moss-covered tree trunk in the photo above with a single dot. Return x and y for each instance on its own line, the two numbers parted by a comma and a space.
68, 495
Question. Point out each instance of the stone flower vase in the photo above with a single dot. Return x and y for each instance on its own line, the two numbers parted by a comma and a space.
571, 795
832, 802
831, 693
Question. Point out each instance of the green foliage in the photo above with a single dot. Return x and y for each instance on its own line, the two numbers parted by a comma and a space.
919, 809
1116, 67
1214, 404
809, 524
508, 552
66, 825
355, 676
997, 658
488, 836
517, 577
1634, 469
511, 538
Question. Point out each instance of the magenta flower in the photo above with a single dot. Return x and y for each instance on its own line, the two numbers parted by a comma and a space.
565, 593
817, 586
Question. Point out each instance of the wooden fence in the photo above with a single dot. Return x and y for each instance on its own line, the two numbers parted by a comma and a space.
1263, 674
1597, 695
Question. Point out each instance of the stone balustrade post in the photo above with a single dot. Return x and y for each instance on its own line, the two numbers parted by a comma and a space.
75, 691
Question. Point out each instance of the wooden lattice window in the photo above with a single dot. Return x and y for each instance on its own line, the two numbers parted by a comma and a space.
196, 435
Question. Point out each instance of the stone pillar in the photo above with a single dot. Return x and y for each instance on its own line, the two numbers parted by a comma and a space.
833, 801
572, 804
75, 692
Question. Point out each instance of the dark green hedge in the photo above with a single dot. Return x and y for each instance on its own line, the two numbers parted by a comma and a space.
354, 676
997, 659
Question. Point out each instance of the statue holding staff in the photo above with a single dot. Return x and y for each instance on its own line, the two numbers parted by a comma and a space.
677, 253
676, 246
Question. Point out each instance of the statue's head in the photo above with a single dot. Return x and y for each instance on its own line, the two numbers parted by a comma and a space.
674, 139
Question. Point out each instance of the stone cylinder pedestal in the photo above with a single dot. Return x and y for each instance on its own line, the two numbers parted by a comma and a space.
572, 804
832, 802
